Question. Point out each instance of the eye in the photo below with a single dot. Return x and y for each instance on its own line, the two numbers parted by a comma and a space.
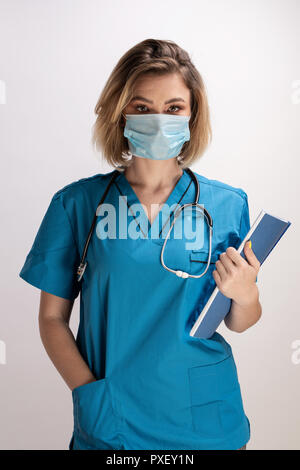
141, 106
174, 106
144, 106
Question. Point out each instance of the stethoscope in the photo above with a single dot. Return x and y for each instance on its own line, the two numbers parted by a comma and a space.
179, 273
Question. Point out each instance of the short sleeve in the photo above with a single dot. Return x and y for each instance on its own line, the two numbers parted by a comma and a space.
245, 221
52, 261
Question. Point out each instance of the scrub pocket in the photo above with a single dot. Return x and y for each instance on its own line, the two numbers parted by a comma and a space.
197, 265
201, 257
94, 421
216, 402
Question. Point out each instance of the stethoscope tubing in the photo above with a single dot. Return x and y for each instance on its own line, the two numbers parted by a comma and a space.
178, 272
83, 263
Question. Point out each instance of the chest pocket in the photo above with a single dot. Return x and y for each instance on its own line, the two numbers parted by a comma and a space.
201, 257
198, 256
198, 261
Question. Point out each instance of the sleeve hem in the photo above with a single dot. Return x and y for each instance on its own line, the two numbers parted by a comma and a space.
40, 286
243, 209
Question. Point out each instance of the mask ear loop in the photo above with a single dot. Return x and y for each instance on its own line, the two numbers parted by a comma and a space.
208, 219
123, 123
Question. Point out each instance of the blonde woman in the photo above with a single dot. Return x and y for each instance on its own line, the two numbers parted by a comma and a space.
138, 379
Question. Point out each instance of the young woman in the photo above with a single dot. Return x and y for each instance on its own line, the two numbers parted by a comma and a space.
138, 379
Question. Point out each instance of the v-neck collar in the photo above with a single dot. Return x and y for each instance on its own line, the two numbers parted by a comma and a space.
175, 197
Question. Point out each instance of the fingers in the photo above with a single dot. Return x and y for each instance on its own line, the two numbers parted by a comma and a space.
251, 258
235, 256
222, 266
216, 277
231, 258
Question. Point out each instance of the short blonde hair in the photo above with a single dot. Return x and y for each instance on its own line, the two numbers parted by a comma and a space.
153, 56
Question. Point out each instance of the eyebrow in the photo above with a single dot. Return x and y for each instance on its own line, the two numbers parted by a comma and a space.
141, 98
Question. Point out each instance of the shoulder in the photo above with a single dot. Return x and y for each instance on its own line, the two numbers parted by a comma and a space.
224, 189
83, 186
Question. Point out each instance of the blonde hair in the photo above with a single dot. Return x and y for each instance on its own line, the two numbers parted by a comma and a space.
153, 56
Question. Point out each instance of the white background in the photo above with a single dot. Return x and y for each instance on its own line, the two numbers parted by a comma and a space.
55, 57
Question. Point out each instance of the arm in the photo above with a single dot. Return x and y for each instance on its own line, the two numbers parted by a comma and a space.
59, 341
235, 277
241, 317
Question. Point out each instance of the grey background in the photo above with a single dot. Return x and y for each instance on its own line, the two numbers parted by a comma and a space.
55, 57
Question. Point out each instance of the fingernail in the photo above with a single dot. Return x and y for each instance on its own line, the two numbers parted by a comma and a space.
250, 243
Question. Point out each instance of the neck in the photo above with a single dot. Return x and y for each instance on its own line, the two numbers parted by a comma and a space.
153, 174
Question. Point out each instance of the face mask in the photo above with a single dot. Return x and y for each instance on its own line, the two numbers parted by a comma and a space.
156, 136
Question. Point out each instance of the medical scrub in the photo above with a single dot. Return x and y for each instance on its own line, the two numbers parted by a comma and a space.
157, 387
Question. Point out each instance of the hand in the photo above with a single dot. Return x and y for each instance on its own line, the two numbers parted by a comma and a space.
235, 277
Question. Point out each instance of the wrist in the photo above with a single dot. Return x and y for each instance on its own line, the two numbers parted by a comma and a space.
251, 298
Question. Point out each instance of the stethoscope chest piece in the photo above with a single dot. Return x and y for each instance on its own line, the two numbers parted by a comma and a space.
209, 221
208, 218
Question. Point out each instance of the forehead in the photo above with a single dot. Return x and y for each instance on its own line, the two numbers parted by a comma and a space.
166, 85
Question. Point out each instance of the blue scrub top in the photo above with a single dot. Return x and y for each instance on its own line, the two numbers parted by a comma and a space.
157, 387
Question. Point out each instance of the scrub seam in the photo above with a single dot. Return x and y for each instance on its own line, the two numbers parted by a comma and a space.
76, 422
70, 224
238, 191
213, 363
245, 208
118, 418
77, 428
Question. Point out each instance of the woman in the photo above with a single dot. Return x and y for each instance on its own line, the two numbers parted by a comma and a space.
138, 379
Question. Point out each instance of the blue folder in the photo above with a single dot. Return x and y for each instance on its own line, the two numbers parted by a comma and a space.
265, 233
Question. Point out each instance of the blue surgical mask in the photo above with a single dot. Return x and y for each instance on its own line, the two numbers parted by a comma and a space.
156, 136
